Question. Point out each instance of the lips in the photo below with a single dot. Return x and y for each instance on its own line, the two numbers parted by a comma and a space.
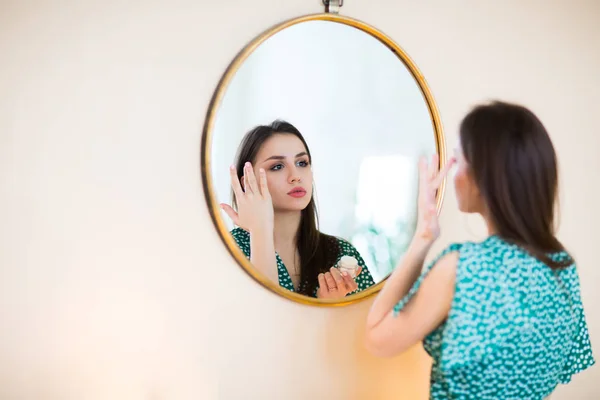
297, 192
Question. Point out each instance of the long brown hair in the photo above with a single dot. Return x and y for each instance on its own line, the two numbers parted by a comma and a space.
318, 251
513, 162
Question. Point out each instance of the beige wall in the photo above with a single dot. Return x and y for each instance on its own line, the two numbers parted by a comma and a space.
113, 283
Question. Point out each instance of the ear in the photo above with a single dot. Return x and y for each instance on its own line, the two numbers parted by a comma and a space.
472, 183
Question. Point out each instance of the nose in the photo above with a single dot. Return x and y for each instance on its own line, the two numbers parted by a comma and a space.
294, 176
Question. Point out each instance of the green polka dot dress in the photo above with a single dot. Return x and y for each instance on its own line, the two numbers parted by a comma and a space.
364, 280
515, 330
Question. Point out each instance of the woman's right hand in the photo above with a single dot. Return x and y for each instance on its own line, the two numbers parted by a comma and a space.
255, 207
335, 284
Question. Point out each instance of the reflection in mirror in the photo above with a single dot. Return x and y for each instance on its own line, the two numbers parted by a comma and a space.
337, 122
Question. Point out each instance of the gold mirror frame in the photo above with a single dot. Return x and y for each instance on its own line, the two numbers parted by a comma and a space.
206, 143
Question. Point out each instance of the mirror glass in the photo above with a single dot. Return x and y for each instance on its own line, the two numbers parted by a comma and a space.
365, 121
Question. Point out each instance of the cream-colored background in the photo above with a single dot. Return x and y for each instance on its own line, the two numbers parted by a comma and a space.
113, 283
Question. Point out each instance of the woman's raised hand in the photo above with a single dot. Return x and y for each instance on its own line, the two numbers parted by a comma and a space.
254, 204
430, 179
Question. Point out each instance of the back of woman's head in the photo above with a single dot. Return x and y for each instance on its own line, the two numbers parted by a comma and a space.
514, 166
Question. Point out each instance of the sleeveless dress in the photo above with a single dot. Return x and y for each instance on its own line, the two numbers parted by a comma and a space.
364, 280
515, 329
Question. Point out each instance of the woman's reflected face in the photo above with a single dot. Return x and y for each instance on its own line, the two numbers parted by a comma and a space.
289, 173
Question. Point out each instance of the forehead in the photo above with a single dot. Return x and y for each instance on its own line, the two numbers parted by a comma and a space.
285, 145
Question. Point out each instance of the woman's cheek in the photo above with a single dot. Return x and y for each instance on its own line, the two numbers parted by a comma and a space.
272, 185
459, 183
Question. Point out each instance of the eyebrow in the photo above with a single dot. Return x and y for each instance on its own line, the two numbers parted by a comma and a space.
283, 158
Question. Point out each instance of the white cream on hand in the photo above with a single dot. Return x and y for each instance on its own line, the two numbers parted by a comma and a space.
349, 265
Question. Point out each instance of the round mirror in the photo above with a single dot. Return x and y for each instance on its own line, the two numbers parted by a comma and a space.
336, 115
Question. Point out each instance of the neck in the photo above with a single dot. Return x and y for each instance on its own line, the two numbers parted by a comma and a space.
491, 227
286, 225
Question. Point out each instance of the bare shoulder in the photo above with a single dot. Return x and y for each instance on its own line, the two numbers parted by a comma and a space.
448, 262
443, 273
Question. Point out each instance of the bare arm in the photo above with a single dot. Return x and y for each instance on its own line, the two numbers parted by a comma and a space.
399, 283
388, 335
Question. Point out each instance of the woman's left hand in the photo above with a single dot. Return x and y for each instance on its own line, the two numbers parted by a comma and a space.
335, 285
430, 179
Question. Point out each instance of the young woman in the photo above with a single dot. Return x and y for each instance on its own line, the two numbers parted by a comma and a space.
277, 217
502, 318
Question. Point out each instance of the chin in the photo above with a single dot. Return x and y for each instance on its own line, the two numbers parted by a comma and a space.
288, 206
293, 206
288, 209
299, 207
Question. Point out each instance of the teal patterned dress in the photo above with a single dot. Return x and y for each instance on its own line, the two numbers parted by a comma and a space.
364, 280
515, 330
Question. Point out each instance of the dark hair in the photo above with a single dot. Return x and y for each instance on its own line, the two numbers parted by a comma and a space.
318, 251
513, 162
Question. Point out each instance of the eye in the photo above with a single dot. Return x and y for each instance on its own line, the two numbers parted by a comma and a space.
276, 167
303, 163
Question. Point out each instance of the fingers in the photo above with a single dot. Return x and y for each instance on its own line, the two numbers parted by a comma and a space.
264, 187
321, 293
331, 285
336, 283
351, 285
339, 280
424, 181
442, 174
322, 282
429, 174
235, 183
250, 179
432, 211
426, 169
231, 213
423, 169
358, 270
433, 166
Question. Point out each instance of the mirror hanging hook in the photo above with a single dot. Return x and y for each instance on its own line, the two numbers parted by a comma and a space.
333, 6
